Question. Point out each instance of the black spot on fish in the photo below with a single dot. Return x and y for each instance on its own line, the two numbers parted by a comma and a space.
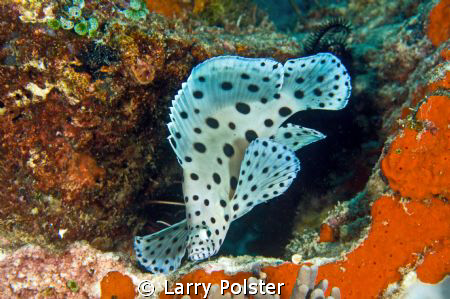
226, 85
199, 147
299, 94
250, 135
228, 150
198, 94
243, 108
284, 111
216, 178
253, 88
212, 123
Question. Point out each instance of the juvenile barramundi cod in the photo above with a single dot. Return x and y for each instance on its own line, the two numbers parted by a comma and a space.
226, 132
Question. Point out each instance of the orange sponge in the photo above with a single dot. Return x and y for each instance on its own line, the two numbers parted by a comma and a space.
418, 163
176, 8
439, 28
118, 286
326, 233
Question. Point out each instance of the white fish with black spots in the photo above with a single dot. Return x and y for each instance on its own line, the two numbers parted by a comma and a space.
225, 130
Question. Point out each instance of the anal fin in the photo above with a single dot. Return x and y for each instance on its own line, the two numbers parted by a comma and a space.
162, 252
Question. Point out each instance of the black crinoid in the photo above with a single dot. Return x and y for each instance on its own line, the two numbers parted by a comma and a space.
330, 36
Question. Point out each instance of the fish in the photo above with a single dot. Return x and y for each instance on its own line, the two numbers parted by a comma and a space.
226, 129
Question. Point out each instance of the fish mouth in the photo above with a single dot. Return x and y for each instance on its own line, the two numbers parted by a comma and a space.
198, 256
